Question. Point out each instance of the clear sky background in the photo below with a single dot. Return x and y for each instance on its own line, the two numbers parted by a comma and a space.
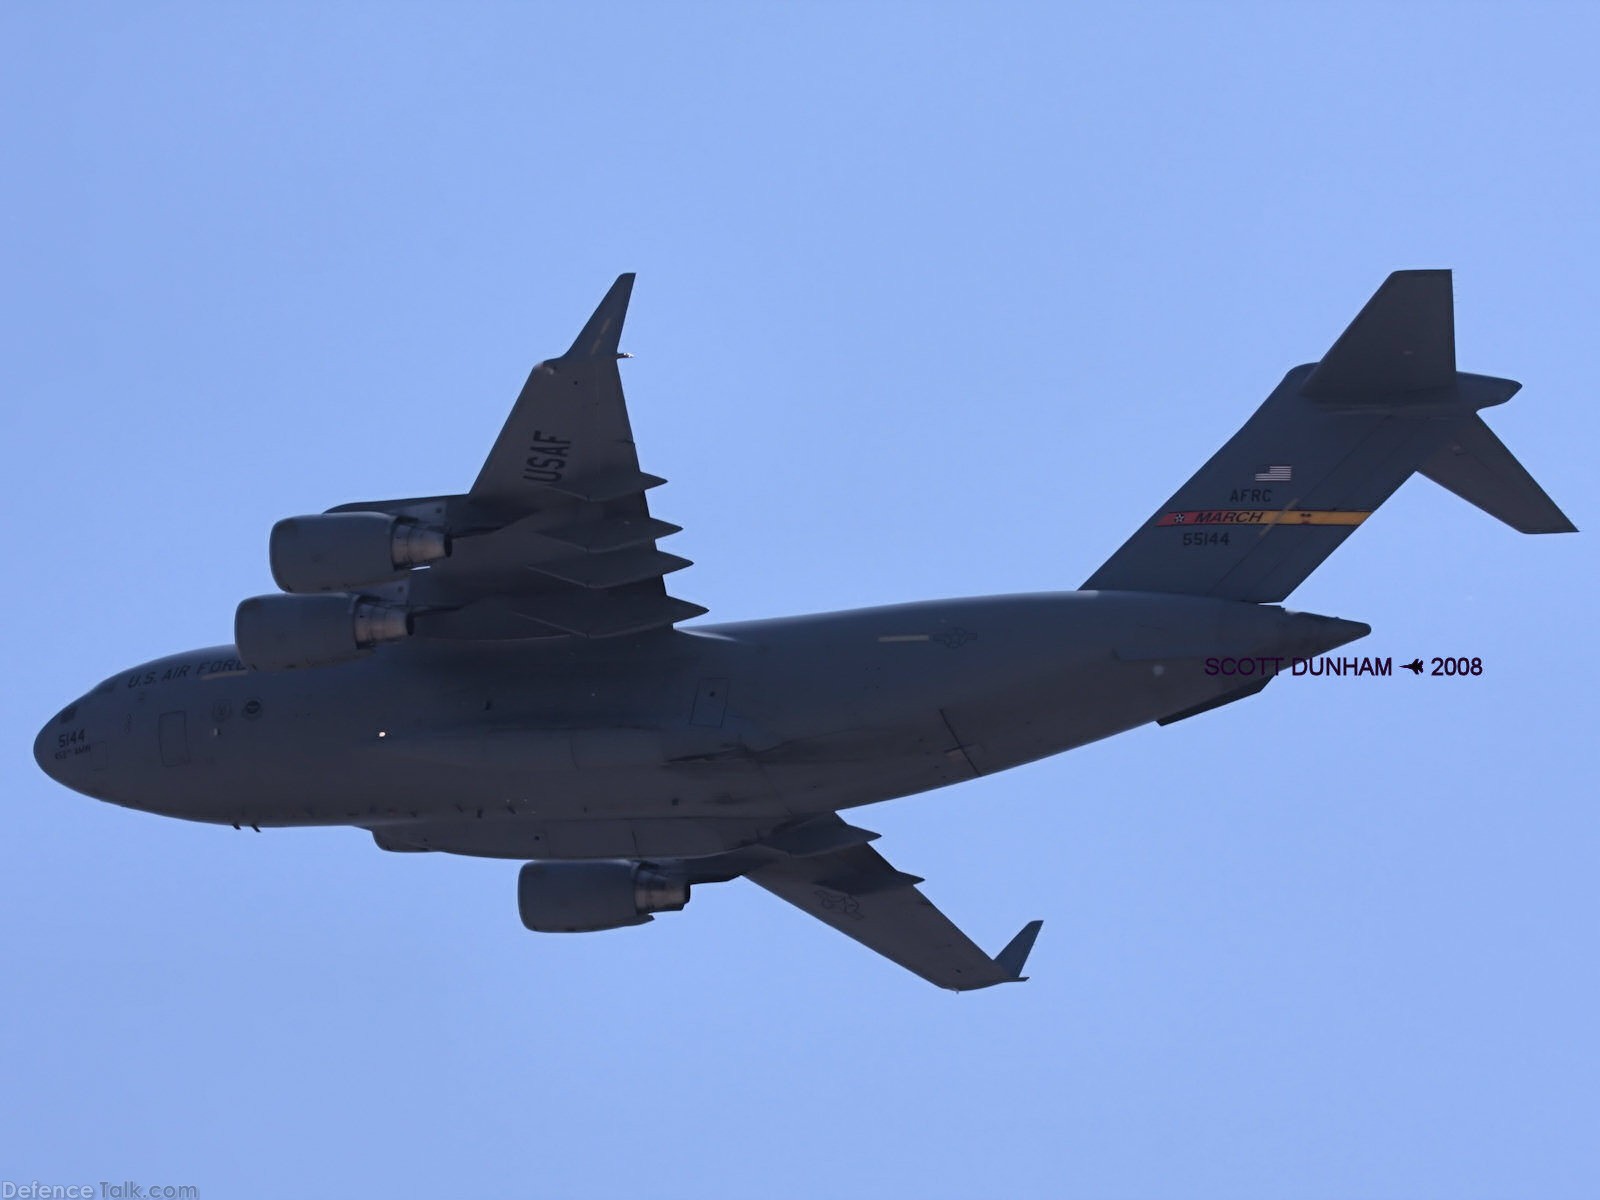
933, 300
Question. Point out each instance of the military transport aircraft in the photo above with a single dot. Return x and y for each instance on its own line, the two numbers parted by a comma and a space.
502, 672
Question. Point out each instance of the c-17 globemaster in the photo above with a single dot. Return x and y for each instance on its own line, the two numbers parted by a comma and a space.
502, 672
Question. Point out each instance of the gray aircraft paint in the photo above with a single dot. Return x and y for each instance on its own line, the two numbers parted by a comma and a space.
626, 753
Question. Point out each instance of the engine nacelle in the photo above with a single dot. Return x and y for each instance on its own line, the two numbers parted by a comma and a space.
280, 633
581, 897
338, 552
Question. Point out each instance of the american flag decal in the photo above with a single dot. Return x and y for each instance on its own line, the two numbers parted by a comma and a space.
1274, 474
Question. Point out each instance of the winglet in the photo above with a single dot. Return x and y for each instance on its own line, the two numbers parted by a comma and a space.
1014, 957
603, 331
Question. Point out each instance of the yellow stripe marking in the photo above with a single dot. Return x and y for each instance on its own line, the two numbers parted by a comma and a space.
1302, 516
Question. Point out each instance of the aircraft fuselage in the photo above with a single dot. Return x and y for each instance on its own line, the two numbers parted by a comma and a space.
682, 744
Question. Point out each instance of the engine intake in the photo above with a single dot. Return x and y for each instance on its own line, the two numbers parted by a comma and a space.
581, 897
338, 552
281, 633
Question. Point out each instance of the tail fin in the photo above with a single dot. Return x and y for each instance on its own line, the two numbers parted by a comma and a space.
1332, 443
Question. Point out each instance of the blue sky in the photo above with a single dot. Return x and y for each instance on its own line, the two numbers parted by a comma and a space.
932, 300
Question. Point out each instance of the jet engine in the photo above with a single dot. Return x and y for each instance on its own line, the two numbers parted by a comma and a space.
580, 897
280, 633
337, 552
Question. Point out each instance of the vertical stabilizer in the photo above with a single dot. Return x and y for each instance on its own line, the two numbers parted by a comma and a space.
1331, 444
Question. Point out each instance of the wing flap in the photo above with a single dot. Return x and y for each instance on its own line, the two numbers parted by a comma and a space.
821, 835
590, 615
600, 486
613, 569
614, 533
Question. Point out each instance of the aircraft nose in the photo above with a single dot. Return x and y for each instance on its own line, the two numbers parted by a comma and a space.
44, 749
61, 744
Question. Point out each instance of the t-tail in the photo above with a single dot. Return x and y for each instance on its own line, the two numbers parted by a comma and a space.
1332, 443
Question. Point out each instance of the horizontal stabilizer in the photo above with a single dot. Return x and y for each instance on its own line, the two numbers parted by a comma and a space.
1404, 340
1475, 465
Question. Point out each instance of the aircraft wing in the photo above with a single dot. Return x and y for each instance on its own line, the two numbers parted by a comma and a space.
555, 536
855, 890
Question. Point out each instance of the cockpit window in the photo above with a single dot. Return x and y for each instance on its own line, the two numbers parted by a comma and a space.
67, 714
106, 688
